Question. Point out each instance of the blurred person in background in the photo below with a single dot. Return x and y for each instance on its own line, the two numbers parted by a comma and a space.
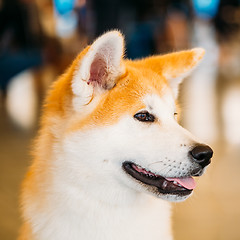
150, 26
21, 39
200, 90
227, 24
24, 50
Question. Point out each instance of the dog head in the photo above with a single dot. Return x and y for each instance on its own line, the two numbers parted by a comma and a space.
115, 123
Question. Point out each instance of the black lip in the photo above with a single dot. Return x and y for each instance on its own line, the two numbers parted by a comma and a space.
163, 185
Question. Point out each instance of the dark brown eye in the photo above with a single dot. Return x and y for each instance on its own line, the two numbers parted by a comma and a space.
144, 117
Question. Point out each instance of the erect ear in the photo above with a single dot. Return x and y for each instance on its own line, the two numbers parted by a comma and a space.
175, 66
100, 67
179, 65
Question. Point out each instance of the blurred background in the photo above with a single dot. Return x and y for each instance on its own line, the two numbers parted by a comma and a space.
40, 38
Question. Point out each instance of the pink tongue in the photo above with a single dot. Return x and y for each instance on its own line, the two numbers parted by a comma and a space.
187, 182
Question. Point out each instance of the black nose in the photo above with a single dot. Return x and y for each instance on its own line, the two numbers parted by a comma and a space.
202, 154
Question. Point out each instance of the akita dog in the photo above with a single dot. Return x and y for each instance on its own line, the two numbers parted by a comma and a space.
110, 151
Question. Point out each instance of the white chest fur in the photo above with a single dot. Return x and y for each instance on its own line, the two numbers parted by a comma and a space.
148, 218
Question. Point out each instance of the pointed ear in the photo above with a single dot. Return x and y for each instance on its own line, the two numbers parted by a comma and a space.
180, 65
101, 65
99, 68
176, 66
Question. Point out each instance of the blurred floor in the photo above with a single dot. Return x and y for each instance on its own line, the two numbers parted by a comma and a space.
14, 159
212, 213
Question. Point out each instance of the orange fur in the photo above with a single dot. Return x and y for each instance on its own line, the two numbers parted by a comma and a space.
173, 65
140, 77
125, 98
25, 232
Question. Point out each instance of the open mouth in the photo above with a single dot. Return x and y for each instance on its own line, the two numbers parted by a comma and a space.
173, 186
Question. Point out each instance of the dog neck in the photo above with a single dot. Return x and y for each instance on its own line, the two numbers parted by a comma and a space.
91, 219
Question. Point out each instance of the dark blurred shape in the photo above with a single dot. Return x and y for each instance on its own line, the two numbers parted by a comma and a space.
81, 11
21, 39
227, 20
143, 22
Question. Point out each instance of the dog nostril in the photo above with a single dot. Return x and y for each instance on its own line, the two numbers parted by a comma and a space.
202, 154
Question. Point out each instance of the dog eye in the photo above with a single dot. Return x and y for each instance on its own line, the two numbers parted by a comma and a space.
144, 117
175, 115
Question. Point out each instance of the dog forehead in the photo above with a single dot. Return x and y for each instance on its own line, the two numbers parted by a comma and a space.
164, 101
162, 106
151, 89
135, 91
